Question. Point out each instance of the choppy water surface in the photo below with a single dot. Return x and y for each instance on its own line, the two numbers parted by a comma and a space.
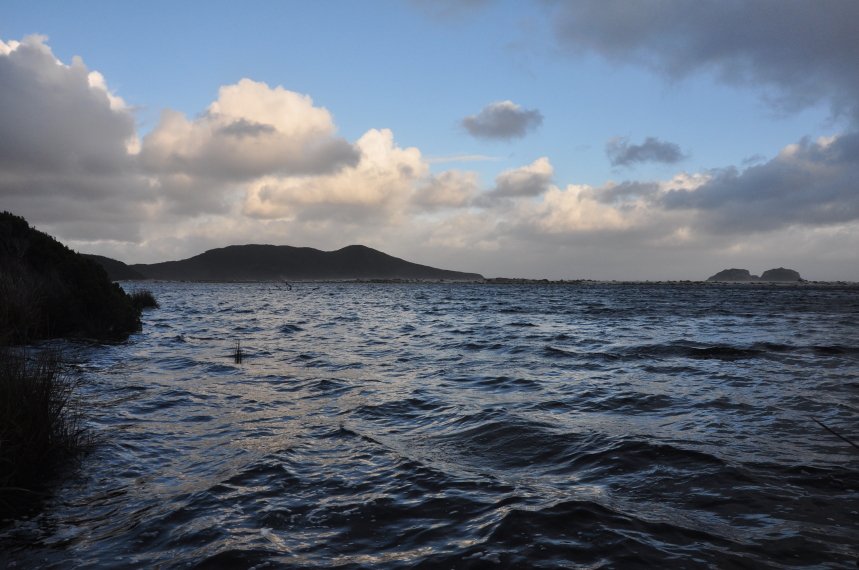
467, 426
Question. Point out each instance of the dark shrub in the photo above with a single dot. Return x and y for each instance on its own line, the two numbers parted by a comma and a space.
144, 299
47, 290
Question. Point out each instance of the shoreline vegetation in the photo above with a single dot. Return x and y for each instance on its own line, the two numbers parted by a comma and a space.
144, 299
47, 291
42, 425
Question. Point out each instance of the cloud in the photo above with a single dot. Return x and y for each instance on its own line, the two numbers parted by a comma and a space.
754, 159
800, 53
264, 165
808, 183
503, 121
243, 128
67, 145
625, 192
526, 181
450, 189
463, 158
380, 181
621, 153
250, 131
70, 155
796, 54
622, 213
808, 187
572, 213
58, 118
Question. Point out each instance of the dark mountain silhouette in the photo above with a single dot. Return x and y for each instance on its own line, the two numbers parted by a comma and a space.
116, 270
733, 275
780, 274
277, 262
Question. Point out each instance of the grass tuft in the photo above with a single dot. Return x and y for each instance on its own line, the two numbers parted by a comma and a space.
144, 299
41, 424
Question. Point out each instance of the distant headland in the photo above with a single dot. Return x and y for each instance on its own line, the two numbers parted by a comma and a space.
283, 262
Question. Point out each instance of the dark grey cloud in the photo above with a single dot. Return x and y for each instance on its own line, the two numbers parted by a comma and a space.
53, 120
523, 182
621, 153
810, 183
244, 128
625, 192
806, 51
504, 120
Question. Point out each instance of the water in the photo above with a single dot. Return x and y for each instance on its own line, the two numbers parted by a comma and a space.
467, 426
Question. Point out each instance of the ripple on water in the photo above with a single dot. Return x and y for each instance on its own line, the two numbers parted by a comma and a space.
466, 426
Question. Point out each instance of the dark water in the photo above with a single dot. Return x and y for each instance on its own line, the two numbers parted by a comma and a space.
466, 426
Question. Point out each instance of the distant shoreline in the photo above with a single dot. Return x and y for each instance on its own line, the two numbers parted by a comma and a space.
515, 281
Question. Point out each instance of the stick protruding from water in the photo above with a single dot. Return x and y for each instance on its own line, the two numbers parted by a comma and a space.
833, 432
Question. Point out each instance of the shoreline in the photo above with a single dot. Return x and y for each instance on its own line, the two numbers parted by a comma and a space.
522, 281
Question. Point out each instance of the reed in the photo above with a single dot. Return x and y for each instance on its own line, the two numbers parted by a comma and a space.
237, 353
144, 299
41, 424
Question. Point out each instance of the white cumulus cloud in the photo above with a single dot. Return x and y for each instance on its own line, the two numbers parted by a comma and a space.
377, 185
251, 130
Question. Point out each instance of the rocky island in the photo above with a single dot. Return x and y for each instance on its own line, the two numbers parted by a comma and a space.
739, 275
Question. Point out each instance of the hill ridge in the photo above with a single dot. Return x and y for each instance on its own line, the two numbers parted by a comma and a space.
266, 262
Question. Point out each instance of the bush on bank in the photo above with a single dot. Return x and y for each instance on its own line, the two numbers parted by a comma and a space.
49, 291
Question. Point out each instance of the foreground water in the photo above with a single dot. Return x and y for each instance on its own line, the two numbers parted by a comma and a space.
466, 426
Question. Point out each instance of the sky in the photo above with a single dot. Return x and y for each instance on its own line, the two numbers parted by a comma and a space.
587, 139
